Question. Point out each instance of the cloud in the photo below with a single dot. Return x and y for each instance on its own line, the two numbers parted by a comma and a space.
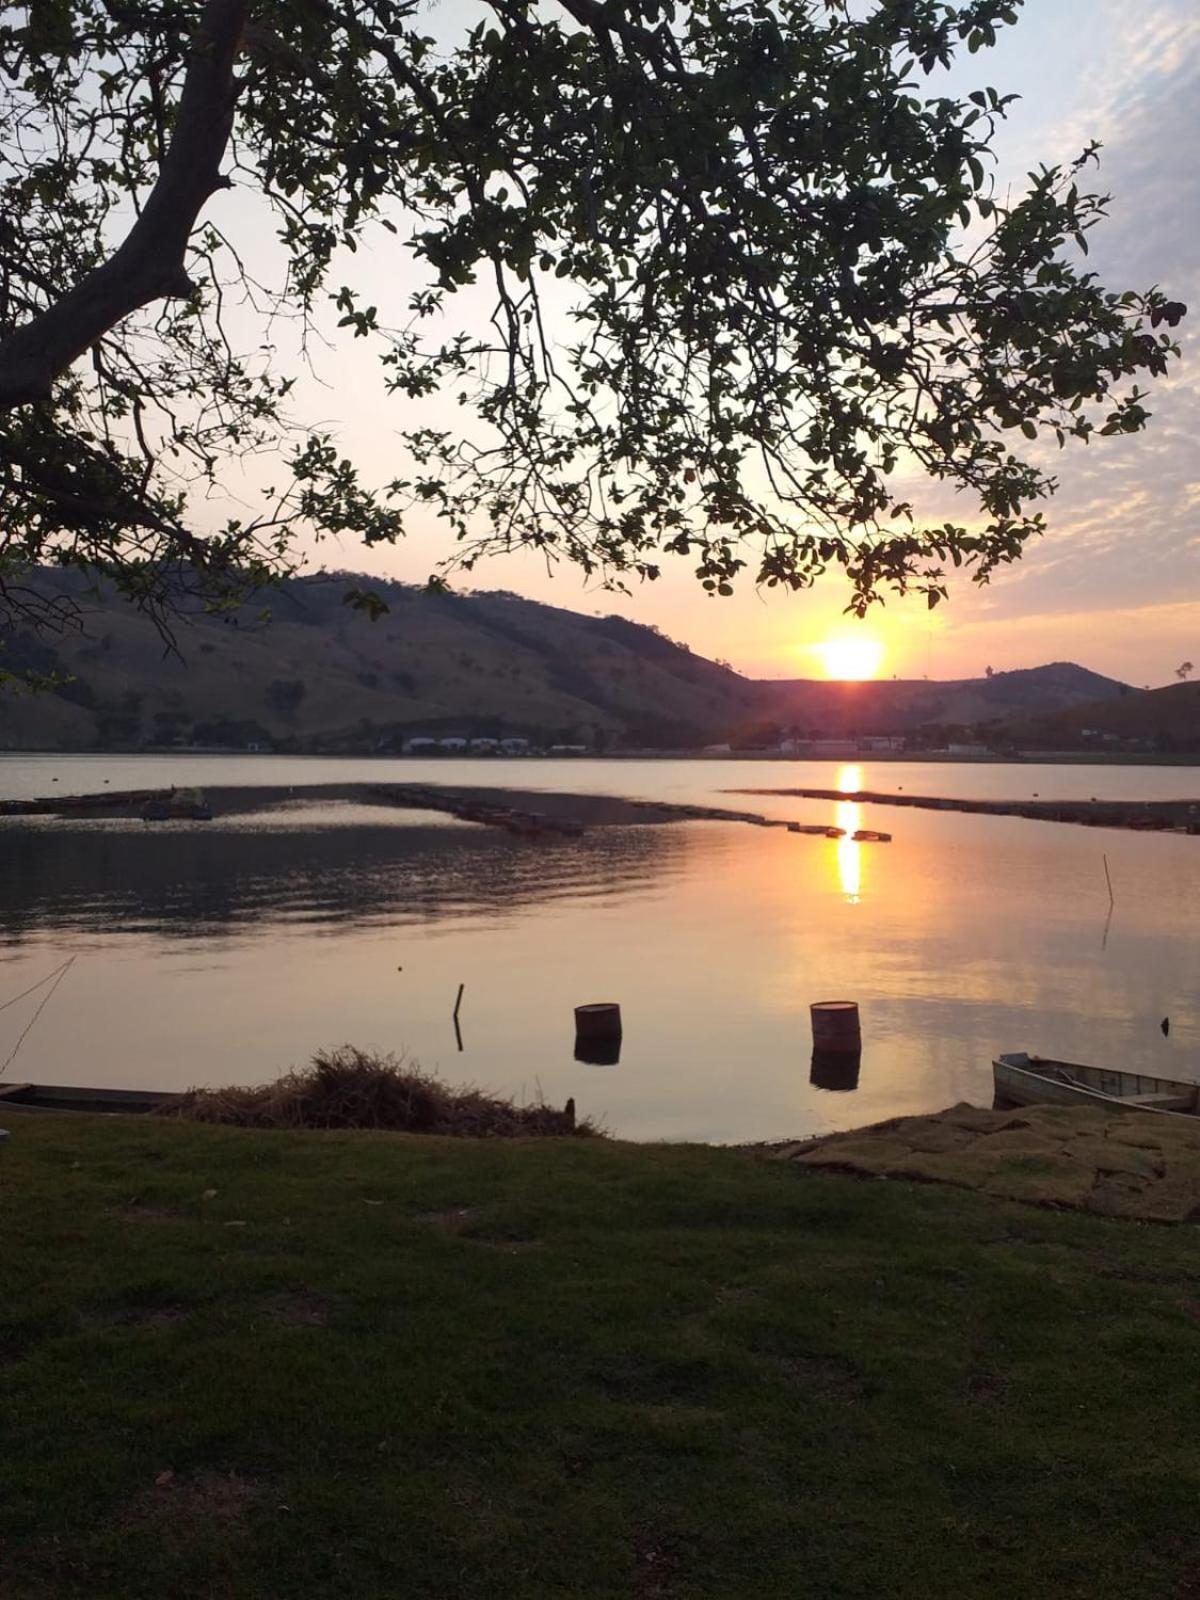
1125, 525
1138, 644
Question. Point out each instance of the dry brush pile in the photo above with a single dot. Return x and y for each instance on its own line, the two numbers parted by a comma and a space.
352, 1088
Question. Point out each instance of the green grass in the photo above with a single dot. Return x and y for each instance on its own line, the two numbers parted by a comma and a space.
383, 1366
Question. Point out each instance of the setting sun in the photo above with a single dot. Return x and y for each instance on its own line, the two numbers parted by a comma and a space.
856, 656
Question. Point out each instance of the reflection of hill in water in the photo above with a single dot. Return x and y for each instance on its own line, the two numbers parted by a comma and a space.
188, 882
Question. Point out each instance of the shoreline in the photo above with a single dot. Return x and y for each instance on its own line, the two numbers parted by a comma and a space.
935, 758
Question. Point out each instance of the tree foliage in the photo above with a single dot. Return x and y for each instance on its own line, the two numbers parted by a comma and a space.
748, 269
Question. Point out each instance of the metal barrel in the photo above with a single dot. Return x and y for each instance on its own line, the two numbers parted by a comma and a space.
835, 1027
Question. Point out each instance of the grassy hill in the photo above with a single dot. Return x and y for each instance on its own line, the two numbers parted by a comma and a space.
1160, 719
904, 705
320, 675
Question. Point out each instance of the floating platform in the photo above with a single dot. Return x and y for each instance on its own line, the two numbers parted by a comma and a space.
1150, 816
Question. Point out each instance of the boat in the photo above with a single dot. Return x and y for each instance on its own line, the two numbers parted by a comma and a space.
1024, 1080
188, 804
79, 805
72, 1097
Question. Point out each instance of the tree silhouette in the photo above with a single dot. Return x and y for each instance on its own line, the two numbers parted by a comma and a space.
743, 261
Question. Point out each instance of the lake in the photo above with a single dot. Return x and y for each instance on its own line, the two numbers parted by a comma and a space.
228, 951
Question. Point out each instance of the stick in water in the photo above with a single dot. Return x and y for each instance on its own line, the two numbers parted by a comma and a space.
1108, 880
457, 1029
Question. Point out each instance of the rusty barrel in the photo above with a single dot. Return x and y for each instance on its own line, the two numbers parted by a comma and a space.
601, 1020
835, 1028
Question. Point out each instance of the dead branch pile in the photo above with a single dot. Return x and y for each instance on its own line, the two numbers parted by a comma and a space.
351, 1088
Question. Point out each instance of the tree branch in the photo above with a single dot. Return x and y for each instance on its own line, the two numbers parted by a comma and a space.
149, 265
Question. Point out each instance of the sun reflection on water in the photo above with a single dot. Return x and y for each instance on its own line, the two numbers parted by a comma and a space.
848, 817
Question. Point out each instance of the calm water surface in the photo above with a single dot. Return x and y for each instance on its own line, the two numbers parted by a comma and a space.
227, 951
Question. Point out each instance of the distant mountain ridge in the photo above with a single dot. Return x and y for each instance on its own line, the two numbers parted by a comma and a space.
900, 705
321, 675
1165, 720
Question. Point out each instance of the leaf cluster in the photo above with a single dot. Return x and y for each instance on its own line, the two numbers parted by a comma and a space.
750, 277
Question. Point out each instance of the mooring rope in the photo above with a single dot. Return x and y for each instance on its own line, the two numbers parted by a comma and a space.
62, 967
44, 1002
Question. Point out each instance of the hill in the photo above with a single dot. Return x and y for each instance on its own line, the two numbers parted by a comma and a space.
1165, 720
816, 709
320, 675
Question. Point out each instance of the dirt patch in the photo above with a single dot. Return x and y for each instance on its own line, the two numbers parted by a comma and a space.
660, 1563
180, 1511
830, 1376
506, 1247
736, 1294
458, 1219
297, 1310
1129, 1274
1116, 1164
986, 1388
135, 1211
453, 1220
151, 1318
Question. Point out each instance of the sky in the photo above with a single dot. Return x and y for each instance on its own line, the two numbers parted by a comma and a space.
1115, 584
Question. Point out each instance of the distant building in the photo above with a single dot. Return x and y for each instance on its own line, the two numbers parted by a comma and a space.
568, 750
819, 748
420, 746
452, 746
515, 747
967, 750
483, 747
881, 742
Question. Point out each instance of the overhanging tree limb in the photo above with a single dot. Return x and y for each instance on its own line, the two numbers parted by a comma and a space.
760, 217
150, 263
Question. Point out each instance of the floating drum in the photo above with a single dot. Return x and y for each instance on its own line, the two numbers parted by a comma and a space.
598, 1033
835, 1027
599, 1021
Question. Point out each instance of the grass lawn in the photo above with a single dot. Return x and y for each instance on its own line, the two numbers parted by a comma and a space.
244, 1364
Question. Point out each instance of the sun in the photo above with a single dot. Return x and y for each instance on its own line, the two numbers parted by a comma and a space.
855, 656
